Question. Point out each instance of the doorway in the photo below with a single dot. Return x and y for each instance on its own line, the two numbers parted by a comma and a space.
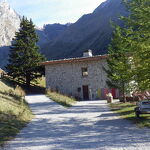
85, 92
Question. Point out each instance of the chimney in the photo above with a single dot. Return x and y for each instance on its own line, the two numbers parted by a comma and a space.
88, 53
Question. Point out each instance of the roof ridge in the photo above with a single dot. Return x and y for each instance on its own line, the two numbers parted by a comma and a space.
77, 59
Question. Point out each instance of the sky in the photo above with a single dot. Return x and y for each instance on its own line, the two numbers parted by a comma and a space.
54, 11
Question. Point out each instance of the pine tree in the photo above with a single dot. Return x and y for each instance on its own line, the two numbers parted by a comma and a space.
138, 29
119, 66
24, 54
129, 51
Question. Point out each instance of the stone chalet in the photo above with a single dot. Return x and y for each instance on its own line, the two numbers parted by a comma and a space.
83, 77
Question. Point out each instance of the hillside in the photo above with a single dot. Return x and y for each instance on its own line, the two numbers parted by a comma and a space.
9, 24
91, 31
50, 32
14, 112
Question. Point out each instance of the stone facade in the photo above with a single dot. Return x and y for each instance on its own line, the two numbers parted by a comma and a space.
66, 76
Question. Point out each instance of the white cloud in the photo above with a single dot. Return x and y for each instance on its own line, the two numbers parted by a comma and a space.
51, 11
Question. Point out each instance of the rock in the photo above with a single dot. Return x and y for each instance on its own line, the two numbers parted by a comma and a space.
9, 23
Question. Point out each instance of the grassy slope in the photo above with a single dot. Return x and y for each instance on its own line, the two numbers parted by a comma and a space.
126, 111
61, 99
14, 112
41, 82
57, 97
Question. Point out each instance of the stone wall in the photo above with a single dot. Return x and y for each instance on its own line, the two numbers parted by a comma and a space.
67, 78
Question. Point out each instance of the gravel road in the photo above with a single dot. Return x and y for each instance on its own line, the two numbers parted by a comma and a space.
88, 125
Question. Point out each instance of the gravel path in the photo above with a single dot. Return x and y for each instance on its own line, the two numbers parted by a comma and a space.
85, 126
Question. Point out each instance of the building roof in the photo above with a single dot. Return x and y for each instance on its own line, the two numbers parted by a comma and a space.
74, 60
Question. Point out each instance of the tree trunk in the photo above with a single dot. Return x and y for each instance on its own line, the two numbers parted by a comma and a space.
123, 93
28, 80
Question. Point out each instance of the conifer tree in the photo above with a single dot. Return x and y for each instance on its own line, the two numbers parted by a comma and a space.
138, 29
131, 42
119, 67
24, 54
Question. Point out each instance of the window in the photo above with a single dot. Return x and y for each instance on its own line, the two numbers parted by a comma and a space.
84, 72
79, 89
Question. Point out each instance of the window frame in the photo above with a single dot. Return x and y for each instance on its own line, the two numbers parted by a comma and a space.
84, 71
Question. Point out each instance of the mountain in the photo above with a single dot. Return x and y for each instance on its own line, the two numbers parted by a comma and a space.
91, 31
9, 24
50, 32
54, 30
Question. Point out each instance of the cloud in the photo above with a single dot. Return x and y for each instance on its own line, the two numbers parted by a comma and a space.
52, 11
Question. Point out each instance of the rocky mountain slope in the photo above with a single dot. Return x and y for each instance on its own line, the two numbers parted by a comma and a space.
91, 31
9, 24
50, 32
54, 30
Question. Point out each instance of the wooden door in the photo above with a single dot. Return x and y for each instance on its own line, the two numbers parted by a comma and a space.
85, 92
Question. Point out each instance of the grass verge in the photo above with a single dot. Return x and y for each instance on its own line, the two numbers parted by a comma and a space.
61, 99
41, 82
14, 112
126, 111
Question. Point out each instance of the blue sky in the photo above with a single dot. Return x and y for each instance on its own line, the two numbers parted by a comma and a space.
54, 11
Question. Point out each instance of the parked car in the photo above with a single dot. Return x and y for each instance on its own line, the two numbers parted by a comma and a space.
143, 107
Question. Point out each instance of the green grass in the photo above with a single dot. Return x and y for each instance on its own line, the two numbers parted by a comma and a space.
41, 82
14, 112
36, 87
126, 111
61, 99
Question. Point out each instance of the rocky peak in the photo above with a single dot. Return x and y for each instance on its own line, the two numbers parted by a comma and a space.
4, 4
9, 23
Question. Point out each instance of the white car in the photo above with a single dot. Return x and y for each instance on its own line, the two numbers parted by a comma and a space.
143, 107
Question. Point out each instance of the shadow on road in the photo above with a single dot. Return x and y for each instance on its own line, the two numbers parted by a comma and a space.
87, 125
